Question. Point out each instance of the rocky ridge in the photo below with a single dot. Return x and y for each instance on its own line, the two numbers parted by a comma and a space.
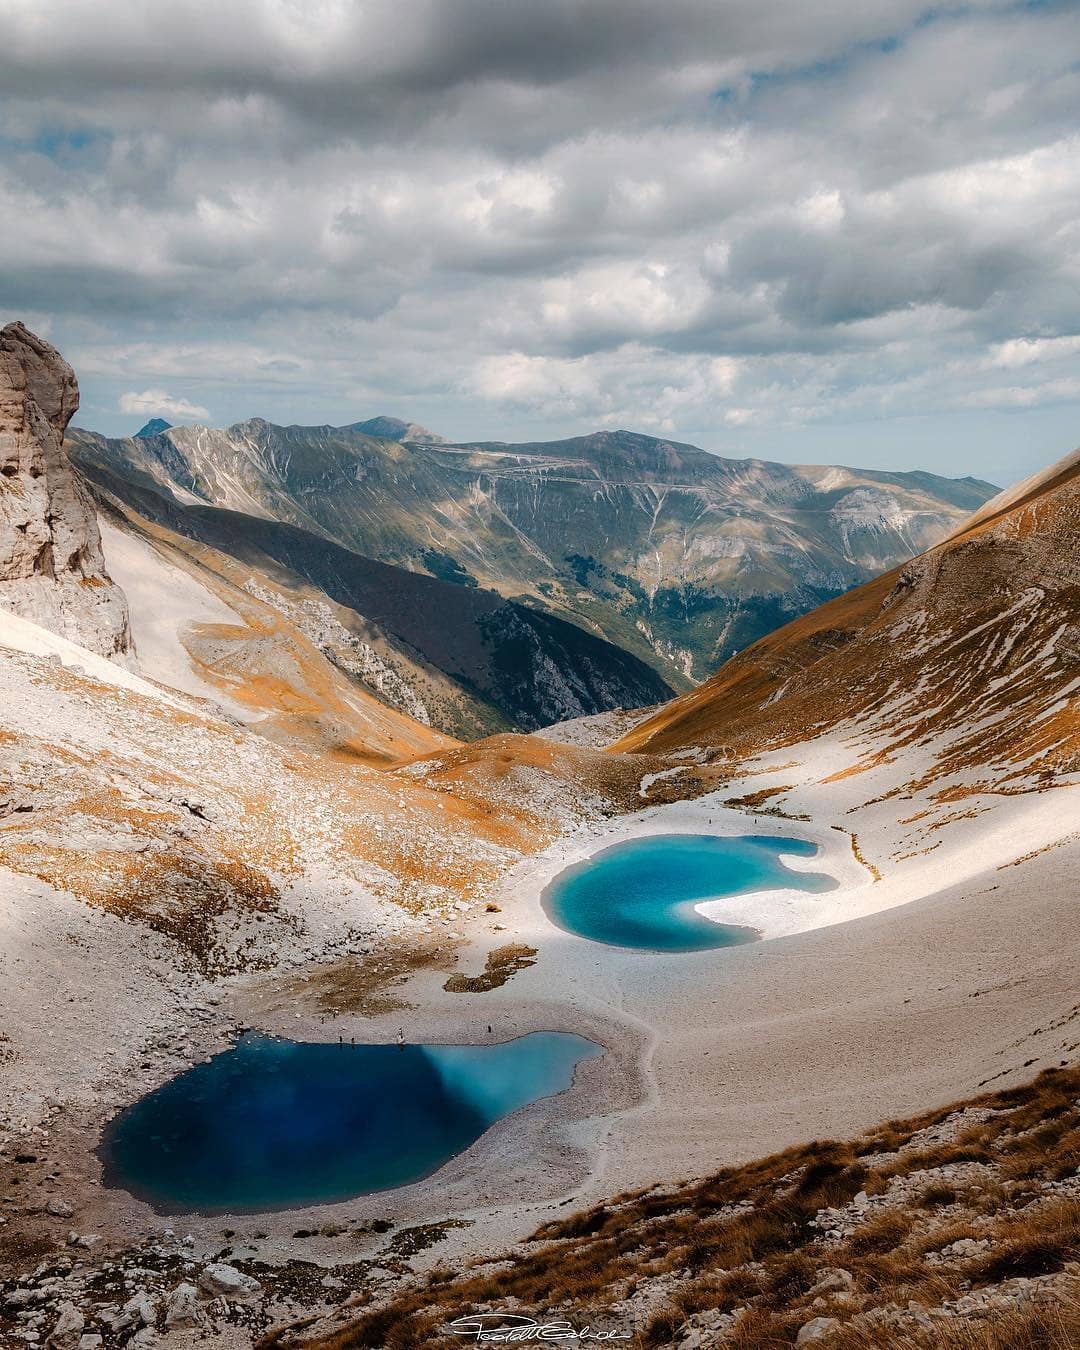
675, 554
52, 568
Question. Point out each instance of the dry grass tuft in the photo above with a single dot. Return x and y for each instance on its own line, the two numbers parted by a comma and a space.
744, 1241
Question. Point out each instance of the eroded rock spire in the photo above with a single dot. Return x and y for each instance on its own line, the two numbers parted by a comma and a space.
52, 568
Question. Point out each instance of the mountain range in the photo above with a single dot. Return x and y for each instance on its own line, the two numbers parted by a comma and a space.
679, 556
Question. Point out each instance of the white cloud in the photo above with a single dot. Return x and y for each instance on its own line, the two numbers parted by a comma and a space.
1026, 396
157, 403
727, 222
518, 380
1029, 351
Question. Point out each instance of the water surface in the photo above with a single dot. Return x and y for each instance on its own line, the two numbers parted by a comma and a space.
642, 893
274, 1123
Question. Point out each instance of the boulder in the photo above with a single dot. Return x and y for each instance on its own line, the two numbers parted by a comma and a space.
833, 1280
68, 1330
21, 1298
139, 1311
221, 1278
817, 1329
182, 1307
965, 1248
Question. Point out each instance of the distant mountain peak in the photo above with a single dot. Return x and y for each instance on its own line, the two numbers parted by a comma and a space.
154, 427
673, 553
394, 429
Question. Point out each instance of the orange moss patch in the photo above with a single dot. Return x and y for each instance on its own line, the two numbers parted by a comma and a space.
857, 852
1036, 852
175, 893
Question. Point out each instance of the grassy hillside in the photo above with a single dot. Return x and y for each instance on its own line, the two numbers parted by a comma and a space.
956, 1228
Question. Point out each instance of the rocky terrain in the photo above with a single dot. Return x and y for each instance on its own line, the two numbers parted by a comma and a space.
51, 565
675, 554
956, 1228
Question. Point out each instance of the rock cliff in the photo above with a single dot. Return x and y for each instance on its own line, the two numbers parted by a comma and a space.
52, 569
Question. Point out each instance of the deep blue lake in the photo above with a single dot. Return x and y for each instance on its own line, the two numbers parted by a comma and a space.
642, 893
272, 1123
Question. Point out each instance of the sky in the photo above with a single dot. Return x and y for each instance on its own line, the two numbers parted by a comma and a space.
845, 231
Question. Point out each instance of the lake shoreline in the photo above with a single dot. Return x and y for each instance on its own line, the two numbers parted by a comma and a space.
658, 892
711, 1058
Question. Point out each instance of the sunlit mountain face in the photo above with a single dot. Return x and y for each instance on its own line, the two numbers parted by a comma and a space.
679, 556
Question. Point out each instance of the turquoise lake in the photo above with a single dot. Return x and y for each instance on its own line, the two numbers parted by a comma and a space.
272, 1123
642, 893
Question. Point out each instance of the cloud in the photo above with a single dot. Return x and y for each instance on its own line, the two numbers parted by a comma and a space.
1027, 351
156, 402
514, 219
472, 69
631, 386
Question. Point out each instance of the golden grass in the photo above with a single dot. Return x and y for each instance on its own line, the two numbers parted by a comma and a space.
743, 1239
1042, 1327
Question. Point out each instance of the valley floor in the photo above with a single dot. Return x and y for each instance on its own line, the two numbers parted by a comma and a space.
713, 1058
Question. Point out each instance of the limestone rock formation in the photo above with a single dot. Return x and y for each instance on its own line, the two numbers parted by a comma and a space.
220, 1278
52, 569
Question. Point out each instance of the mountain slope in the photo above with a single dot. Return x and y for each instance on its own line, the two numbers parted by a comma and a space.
869, 1242
969, 653
463, 659
676, 554
234, 637
196, 631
